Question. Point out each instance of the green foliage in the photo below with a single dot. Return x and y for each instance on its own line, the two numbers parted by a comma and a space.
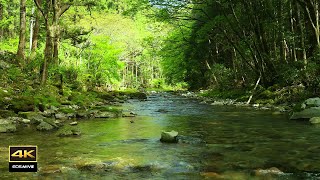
83, 98
10, 45
224, 77
158, 83
46, 97
238, 94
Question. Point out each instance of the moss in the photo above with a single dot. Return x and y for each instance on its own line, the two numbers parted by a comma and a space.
67, 110
22, 103
47, 97
83, 98
107, 108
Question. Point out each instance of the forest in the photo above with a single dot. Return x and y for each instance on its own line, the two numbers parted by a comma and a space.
231, 86
202, 44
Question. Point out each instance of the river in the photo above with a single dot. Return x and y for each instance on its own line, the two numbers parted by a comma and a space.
238, 140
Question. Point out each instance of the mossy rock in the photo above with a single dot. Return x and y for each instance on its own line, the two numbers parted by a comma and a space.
44, 126
138, 95
66, 110
8, 128
51, 122
34, 117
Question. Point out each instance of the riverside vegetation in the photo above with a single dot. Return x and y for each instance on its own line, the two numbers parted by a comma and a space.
66, 60
71, 65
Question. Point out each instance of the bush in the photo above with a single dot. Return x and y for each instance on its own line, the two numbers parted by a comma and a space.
158, 83
221, 77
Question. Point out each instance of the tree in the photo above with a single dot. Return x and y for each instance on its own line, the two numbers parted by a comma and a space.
51, 11
22, 37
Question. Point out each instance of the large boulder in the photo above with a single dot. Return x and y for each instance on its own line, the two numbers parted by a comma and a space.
306, 113
169, 137
7, 126
34, 117
311, 102
309, 108
44, 126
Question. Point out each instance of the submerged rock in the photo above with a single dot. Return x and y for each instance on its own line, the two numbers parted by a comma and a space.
162, 110
169, 137
128, 114
190, 140
69, 131
50, 169
270, 171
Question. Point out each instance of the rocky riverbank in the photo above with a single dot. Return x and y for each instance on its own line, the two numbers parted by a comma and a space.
307, 110
19, 112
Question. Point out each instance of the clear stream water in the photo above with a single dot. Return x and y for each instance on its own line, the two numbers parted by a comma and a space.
238, 141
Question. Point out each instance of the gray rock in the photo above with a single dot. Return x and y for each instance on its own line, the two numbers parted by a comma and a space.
312, 102
128, 114
105, 115
44, 126
19, 120
61, 116
5, 121
34, 117
82, 114
169, 137
7, 126
306, 113
73, 123
315, 120
48, 113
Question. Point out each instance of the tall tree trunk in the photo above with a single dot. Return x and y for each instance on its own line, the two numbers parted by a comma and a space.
22, 37
1, 17
48, 55
302, 36
35, 35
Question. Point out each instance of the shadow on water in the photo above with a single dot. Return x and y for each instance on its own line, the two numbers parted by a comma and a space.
238, 141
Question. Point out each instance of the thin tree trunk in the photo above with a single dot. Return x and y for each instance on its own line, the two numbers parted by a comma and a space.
302, 35
1, 17
22, 37
47, 54
35, 34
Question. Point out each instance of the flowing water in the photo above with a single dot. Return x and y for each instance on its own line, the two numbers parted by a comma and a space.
238, 141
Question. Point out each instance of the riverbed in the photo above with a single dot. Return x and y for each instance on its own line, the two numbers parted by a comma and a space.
238, 142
